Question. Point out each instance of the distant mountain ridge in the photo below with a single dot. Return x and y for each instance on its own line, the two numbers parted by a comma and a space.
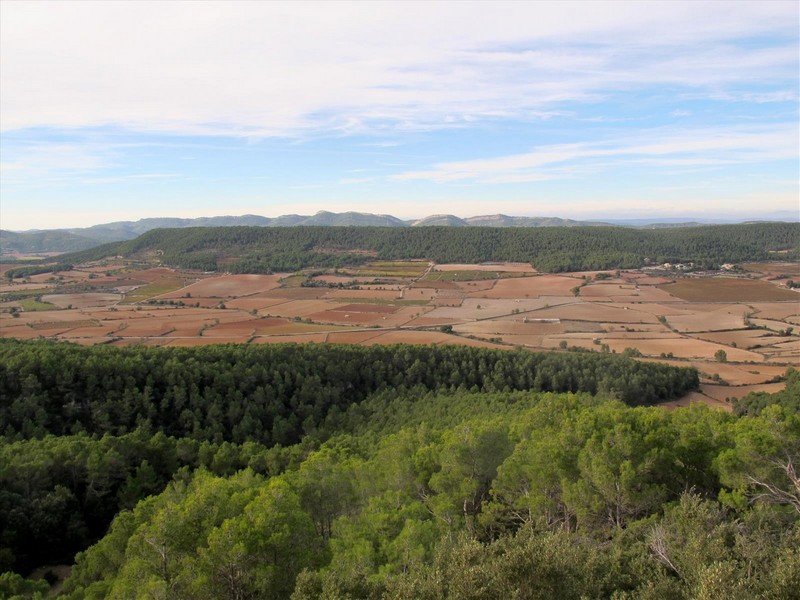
75, 239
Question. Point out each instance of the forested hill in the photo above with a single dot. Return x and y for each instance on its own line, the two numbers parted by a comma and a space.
421, 475
266, 249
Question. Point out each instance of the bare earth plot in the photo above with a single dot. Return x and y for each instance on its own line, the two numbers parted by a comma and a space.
530, 287
501, 267
723, 289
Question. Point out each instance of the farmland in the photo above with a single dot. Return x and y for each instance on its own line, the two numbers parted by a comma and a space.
752, 318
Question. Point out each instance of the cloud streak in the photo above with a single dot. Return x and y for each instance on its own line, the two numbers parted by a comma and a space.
685, 148
278, 69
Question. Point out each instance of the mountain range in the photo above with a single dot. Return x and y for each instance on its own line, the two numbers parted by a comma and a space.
74, 239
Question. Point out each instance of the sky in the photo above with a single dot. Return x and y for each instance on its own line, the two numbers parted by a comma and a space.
125, 110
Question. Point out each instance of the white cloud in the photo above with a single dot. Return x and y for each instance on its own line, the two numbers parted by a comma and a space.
289, 69
690, 147
33, 164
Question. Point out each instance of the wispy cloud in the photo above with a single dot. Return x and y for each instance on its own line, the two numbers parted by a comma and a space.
698, 147
127, 178
278, 69
355, 180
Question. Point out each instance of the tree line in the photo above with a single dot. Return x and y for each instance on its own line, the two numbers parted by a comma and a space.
273, 394
268, 249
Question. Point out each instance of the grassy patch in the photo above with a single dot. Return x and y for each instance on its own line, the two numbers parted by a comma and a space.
22, 294
65, 324
293, 281
472, 275
32, 305
382, 268
156, 288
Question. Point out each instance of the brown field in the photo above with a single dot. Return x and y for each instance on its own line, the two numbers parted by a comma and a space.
471, 309
724, 392
680, 347
608, 313
147, 327
369, 294
721, 289
697, 398
770, 324
386, 268
743, 338
531, 287
476, 286
203, 342
525, 341
298, 308
353, 337
512, 327
424, 294
537, 312
649, 293
607, 290
151, 275
382, 309
254, 302
726, 317
502, 267
228, 286
435, 285
649, 280
317, 338
733, 374
776, 310
298, 293
81, 300
97, 330
447, 302
429, 322
777, 268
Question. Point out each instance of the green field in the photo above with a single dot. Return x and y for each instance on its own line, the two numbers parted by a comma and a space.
22, 294
33, 305
401, 268
296, 280
156, 288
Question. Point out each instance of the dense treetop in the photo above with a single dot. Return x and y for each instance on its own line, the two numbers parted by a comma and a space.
275, 394
387, 472
569, 497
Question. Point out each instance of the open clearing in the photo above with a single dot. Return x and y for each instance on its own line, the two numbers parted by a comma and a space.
755, 321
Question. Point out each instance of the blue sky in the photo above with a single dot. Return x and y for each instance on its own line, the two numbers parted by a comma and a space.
119, 111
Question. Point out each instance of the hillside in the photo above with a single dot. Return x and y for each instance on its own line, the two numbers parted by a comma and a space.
506, 221
440, 221
57, 240
70, 240
263, 250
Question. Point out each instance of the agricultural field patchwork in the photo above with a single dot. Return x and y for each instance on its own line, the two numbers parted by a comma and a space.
740, 331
